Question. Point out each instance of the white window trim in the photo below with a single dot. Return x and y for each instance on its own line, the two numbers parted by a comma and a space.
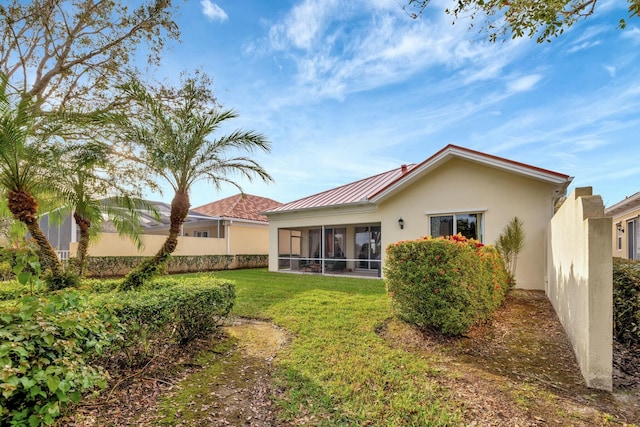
454, 214
619, 232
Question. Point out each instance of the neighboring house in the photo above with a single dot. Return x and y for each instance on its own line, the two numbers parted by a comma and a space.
626, 227
202, 233
457, 190
246, 228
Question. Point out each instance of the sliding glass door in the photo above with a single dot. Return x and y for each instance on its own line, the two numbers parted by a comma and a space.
368, 247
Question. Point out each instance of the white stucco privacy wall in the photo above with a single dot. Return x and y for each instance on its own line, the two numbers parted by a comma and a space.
579, 282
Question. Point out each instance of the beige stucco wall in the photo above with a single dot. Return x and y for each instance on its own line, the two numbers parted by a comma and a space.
462, 186
111, 244
459, 186
248, 238
240, 238
579, 282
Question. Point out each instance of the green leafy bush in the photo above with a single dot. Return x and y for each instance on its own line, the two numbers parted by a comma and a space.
7, 261
12, 289
626, 301
45, 350
168, 310
6, 271
68, 279
445, 285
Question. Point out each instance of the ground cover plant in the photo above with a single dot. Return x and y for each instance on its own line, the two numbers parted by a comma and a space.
348, 362
46, 352
57, 346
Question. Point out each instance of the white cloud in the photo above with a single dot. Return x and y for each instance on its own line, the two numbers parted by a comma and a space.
611, 70
523, 84
213, 11
588, 39
632, 34
341, 47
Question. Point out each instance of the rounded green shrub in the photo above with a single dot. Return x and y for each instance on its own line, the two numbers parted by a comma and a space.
445, 284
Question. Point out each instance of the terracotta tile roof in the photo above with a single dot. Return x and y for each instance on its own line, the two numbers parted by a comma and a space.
353, 193
248, 207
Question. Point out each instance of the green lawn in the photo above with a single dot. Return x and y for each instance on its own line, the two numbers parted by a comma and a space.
337, 371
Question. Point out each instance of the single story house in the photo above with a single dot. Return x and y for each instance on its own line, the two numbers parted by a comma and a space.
230, 226
457, 190
246, 229
626, 227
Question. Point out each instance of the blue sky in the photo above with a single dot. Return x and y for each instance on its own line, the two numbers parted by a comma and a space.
345, 89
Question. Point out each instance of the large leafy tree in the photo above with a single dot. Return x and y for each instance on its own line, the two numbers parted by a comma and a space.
93, 195
172, 137
66, 53
542, 19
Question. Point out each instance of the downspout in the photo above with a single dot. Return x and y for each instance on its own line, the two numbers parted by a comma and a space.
229, 237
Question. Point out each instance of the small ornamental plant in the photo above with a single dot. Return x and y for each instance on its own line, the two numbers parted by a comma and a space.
445, 284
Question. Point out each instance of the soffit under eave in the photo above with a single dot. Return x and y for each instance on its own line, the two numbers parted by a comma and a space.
344, 209
622, 209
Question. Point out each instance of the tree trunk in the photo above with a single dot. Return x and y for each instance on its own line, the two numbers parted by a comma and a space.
148, 268
83, 244
24, 208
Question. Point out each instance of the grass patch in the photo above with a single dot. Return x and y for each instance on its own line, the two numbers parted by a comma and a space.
193, 394
338, 371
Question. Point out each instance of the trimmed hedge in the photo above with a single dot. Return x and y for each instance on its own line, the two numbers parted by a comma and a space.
175, 310
445, 284
626, 301
111, 266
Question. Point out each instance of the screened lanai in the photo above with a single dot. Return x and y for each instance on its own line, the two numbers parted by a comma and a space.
353, 249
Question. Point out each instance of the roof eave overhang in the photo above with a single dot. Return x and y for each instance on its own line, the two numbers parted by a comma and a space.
248, 221
625, 206
561, 181
360, 203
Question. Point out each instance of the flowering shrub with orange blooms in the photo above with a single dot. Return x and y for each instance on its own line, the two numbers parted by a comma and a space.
445, 284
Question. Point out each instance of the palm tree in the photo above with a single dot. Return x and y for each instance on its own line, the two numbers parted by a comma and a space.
24, 165
509, 244
86, 186
171, 137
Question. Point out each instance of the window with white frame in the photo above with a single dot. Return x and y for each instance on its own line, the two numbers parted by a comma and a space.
201, 233
619, 236
470, 225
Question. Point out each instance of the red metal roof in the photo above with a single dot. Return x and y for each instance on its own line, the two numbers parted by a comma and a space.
353, 193
366, 189
246, 207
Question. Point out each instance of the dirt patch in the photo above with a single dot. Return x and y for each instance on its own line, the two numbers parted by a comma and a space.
240, 394
225, 380
520, 370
